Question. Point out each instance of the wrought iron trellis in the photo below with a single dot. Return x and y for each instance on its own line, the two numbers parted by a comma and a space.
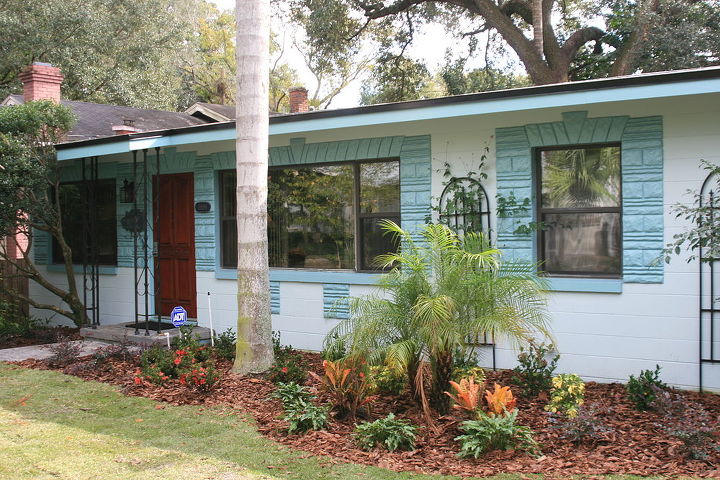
465, 207
146, 274
89, 246
709, 269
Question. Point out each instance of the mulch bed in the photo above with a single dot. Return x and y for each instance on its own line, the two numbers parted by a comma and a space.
42, 336
636, 445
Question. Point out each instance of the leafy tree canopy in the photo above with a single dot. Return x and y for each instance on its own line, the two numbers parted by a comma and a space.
555, 41
109, 51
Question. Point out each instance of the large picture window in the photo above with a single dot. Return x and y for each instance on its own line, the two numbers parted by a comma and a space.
580, 209
321, 216
72, 199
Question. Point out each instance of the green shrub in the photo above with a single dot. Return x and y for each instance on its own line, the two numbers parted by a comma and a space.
292, 393
159, 358
280, 350
225, 344
641, 390
383, 379
14, 324
288, 368
303, 416
466, 372
534, 372
201, 378
495, 432
334, 348
389, 433
567, 394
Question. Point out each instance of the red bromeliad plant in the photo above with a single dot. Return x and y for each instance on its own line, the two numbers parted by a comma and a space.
348, 385
468, 395
501, 401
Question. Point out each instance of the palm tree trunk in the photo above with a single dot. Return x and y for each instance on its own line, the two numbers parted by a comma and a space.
254, 325
442, 374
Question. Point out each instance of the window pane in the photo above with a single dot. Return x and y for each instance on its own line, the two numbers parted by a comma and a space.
311, 217
229, 242
72, 201
380, 187
375, 241
581, 178
582, 243
228, 193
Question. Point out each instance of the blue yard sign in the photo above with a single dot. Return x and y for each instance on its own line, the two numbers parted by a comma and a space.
178, 317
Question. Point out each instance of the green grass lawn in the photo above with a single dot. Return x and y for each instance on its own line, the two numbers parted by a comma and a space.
58, 426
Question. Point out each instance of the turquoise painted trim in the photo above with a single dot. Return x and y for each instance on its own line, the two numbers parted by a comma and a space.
335, 301
102, 269
596, 285
275, 298
641, 142
307, 276
554, 100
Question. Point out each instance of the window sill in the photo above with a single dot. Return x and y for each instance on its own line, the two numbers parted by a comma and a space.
589, 285
102, 269
307, 276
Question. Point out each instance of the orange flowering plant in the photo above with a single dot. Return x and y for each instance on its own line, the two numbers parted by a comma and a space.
346, 381
467, 396
501, 401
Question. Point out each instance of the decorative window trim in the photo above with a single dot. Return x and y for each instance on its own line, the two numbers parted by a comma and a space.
641, 141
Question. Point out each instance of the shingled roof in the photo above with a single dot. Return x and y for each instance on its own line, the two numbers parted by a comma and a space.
95, 120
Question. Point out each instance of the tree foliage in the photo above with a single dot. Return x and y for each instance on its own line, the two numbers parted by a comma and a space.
109, 51
560, 41
29, 195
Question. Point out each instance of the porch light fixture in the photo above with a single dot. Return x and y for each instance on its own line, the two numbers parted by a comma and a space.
127, 192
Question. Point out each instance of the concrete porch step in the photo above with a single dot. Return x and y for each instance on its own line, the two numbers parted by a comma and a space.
121, 333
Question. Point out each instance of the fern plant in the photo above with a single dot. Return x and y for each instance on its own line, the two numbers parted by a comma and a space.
389, 433
441, 289
495, 432
305, 415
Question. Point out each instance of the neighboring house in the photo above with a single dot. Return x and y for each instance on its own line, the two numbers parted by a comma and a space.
333, 174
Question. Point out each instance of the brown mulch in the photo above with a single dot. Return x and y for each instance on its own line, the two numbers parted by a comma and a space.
636, 444
42, 336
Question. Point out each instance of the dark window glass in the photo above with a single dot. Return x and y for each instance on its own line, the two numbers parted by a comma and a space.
72, 206
228, 225
311, 221
316, 213
580, 207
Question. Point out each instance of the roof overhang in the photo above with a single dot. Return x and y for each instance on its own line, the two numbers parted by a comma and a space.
640, 87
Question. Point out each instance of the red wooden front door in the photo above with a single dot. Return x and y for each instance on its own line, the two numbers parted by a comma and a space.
175, 237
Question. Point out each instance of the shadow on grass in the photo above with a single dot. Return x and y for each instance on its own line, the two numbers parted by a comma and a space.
217, 436
217, 433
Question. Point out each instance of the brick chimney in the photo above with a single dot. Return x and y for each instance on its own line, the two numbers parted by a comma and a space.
127, 127
298, 100
41, 81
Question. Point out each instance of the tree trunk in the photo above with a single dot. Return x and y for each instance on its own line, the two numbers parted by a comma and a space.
254, 325
537, 16
442, 374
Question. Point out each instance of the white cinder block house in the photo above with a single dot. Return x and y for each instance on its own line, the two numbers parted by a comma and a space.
333, 174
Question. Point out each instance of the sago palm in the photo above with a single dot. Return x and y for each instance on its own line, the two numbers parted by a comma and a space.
441, 290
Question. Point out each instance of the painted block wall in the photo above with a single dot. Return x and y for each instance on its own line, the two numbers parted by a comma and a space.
602, 336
